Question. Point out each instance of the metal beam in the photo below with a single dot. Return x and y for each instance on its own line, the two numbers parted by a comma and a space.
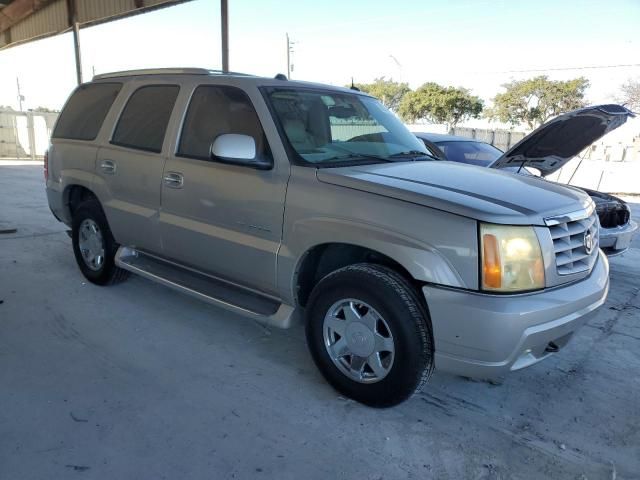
224, 20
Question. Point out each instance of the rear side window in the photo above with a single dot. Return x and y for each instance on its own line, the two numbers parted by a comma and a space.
144, 120
86, 110
213, 111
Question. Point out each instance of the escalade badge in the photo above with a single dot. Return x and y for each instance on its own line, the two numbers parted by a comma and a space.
588, 242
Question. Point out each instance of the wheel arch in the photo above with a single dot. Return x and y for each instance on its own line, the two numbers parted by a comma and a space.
73, 195
322, 259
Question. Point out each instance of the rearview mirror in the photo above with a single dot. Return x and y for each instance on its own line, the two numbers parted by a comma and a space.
237, 149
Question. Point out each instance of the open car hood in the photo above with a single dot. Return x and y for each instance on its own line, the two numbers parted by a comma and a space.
553, 144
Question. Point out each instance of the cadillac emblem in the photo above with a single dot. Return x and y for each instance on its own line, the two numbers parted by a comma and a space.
588, 242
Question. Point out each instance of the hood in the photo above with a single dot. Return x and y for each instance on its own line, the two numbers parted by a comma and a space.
553, 144
474, 192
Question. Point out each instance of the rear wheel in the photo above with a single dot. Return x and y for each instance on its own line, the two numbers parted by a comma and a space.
370, 335
94, 246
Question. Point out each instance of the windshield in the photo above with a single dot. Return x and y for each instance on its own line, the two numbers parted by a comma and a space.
473, 153
328, 128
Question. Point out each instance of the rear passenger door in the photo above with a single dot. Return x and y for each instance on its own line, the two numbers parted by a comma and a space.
130, 166
219, 218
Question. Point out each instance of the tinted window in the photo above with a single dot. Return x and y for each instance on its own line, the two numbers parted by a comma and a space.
144, 120
474, 153
85, 111
213, 111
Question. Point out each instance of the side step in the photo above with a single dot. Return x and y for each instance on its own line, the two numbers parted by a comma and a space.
213, 290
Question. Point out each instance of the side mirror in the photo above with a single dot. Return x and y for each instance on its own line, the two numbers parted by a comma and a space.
236, 149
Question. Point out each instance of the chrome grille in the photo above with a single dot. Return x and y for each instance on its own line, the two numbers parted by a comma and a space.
568, 235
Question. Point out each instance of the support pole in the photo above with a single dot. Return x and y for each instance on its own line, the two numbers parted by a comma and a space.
72, 14
224, 19
76, 46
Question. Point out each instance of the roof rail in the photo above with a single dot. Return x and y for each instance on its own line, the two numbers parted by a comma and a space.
166, 71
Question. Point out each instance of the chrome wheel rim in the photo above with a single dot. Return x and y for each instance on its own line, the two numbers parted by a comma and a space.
91, 244
358, 340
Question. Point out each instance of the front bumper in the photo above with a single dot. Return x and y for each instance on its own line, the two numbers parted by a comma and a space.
616, 240
485, 336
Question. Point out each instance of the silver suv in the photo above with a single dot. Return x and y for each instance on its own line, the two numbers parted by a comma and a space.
281, 200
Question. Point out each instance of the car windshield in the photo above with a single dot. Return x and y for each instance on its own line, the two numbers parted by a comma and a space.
328, 128
473, 153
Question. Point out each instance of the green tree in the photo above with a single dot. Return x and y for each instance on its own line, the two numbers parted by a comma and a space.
536, 100
630, 97
438, 104
390, 93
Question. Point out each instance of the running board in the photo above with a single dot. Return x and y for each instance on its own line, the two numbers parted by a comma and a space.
213, 290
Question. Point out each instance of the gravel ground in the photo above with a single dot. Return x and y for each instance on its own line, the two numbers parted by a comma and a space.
136, 381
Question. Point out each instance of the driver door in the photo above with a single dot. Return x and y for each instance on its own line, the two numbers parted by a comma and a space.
225, 220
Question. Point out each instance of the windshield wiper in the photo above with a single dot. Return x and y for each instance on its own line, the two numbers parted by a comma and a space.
414, 154
352, 154
364, 156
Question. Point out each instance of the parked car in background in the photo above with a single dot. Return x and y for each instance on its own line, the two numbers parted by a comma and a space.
545, 151
246, 192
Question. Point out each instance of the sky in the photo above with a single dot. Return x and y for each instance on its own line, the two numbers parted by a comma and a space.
477, 44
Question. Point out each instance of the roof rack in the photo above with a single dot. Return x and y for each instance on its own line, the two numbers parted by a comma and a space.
167, 71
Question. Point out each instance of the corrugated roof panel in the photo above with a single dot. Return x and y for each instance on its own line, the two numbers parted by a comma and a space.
49, 20
91, 10
53, 18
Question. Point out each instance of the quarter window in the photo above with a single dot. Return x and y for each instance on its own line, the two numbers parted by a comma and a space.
216, 110
144, 120
86, 110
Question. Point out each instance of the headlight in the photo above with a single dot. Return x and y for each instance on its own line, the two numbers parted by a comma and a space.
511, 258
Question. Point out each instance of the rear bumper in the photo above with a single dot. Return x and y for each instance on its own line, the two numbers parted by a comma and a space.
56, 205
486, 336
617, 240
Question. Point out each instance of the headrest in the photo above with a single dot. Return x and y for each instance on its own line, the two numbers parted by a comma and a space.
295, 131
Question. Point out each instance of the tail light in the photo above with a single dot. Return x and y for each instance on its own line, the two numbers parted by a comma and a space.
46, 165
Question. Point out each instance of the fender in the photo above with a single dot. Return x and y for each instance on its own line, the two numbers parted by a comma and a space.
420, 259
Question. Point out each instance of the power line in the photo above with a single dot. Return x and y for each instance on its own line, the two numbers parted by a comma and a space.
556, 69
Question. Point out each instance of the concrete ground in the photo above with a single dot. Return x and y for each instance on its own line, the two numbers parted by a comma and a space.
138, 382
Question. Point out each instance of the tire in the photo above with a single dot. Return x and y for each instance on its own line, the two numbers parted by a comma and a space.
105, 272
390, 307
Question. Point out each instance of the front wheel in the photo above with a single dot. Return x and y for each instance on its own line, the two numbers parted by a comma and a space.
370, 335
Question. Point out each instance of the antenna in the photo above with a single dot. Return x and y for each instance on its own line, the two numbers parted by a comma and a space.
353, 87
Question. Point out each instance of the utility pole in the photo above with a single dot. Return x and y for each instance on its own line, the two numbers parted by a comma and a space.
20, 96
288, 58
289, 52
224, 19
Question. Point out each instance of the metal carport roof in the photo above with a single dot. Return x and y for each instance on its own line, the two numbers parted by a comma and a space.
22, 21
25, 20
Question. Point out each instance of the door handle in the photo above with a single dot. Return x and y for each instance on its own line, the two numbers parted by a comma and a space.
173, 180
108, 166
